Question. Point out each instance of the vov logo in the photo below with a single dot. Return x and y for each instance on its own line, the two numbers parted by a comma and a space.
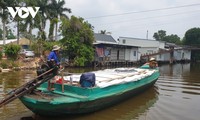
23, 12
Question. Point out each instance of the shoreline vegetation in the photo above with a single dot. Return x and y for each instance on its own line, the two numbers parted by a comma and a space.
21, 64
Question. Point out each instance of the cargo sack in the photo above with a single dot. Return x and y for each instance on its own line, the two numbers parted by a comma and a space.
87, 80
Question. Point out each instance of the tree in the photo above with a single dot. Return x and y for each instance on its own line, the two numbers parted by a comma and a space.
51, 28
103, 31
192, 37
57, 10
12, 51
172, 39
4, 15
159, 35
10, 34
25, 26
78, 40
28, 24
44, 15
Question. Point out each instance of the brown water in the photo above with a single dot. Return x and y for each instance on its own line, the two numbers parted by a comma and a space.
175, 96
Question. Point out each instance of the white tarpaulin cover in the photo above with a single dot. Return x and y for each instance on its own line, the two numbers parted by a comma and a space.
110, 77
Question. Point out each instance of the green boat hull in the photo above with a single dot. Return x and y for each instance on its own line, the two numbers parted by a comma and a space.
77, 100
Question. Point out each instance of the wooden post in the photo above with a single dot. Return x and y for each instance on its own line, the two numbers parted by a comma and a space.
63, 89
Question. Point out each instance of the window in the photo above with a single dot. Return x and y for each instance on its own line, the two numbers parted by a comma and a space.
124, 41
134, 53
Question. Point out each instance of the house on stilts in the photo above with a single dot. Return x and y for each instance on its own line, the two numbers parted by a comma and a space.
108, 51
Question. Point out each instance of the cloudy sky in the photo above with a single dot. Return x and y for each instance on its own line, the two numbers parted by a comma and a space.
133, 18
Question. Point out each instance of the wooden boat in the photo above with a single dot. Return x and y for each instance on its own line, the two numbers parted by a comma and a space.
111, 87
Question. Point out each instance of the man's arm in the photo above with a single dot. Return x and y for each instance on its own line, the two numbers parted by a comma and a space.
50, 56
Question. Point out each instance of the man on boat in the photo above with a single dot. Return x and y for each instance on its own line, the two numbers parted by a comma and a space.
152, 63
53, 56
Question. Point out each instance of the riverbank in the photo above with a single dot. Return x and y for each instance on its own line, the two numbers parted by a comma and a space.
21, 64
33, 63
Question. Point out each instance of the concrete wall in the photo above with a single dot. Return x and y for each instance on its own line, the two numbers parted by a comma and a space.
187, 54
177, 55
182, 54
148, 50
163, 57
146, 46
138, 42
117, 54
132, 54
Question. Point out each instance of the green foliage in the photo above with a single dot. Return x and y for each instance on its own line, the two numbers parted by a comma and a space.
4, 64
5, 16
8, 64
36, 46
195, 55
49, 9
1, 54
51, 29
172, 39
161, 36
77, 41
10, 34
84, 56
57, 10
14, 64
103, 31
1, 34
12, 50
192, 37
49, 45
39, 46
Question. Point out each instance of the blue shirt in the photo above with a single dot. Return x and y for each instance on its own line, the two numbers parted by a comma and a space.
53, 56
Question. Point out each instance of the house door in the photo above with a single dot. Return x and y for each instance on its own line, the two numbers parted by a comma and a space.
183, 55
117, 54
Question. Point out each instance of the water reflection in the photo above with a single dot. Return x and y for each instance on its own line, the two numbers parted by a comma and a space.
179, 92
175, 69
9, 81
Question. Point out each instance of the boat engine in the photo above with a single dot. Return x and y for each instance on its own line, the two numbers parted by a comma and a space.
45, 67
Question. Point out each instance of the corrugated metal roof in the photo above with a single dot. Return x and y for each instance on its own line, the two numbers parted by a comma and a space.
7, 41
104, 38
22, 41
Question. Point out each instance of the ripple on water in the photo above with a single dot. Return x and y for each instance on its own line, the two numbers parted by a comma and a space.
178, 97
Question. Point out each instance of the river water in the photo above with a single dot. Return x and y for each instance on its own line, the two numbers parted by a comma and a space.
175, 96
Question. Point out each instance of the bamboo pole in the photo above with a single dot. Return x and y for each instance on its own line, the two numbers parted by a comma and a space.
62, 82
31, 85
